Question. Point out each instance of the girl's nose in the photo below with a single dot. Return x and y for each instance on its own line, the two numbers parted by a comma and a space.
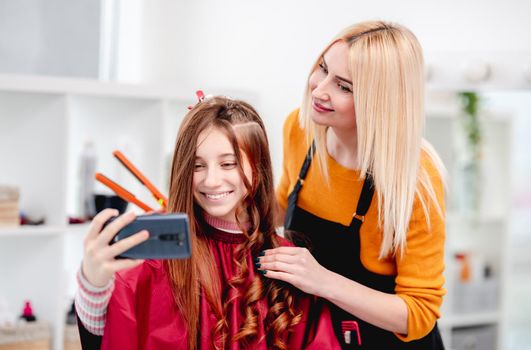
212, 178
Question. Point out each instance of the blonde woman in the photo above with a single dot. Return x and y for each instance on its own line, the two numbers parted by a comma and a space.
363, 192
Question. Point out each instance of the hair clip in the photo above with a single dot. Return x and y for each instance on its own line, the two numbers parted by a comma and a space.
200, 97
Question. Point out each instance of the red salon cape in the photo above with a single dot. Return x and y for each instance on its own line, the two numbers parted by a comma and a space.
142, 313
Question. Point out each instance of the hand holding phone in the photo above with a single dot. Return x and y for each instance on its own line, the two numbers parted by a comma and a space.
110, 236
99, 263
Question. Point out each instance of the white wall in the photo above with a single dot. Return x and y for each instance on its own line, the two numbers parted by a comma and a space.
268, 46
50, 37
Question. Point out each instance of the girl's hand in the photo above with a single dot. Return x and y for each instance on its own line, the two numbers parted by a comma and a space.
296, 266
99, 263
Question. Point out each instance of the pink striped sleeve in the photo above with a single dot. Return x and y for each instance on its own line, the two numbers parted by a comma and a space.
91, 304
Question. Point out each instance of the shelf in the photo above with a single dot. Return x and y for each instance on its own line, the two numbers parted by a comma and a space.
473, 319
44, 230
76, 86
31, 231
77, 228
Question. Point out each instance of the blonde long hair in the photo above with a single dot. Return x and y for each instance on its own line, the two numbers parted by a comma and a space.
387, 69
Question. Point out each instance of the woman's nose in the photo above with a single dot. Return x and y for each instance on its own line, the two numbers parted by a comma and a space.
319, 89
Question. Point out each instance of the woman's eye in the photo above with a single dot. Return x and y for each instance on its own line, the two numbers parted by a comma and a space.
344, 88
323, 67
198, 166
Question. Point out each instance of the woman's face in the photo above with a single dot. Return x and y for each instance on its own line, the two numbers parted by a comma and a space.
331, 88
218, 186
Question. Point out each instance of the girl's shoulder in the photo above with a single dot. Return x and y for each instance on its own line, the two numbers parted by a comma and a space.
283, 242
148, 270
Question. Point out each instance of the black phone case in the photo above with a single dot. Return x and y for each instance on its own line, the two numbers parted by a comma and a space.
169, 237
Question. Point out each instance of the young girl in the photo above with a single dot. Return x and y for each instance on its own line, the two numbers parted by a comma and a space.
222, 178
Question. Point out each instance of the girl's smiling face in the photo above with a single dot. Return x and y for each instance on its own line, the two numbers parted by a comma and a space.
218, 186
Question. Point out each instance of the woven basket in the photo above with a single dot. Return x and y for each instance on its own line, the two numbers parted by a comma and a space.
9, 209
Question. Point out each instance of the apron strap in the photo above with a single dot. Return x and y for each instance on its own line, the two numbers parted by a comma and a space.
364, 202
294, 195
304, 169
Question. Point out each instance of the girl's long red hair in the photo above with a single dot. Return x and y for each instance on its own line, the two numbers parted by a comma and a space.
246, 131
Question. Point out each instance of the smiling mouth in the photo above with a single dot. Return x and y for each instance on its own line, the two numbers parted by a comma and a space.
320, 108
216, 196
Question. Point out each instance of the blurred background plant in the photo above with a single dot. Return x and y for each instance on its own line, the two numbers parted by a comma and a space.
472, 152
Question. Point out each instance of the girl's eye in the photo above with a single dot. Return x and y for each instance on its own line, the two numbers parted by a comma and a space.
230, 165
323, 67
198, 166
344, 88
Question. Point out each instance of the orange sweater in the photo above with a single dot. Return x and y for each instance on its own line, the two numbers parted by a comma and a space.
419, 273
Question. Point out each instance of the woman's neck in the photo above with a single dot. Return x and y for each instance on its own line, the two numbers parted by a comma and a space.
342, 146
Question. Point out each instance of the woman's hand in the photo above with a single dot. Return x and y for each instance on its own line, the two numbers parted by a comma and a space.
296, 266
99, 263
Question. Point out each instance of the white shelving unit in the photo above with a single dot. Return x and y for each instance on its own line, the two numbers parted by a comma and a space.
44, 123
477, 307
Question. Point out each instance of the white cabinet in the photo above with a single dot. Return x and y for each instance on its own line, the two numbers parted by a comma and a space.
476, 289
44, 123
31, 269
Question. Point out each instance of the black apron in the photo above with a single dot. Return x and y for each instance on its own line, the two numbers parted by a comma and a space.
337, 248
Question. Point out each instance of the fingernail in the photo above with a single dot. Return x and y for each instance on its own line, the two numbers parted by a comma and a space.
257, 265
256, 260
262, 253
263, 272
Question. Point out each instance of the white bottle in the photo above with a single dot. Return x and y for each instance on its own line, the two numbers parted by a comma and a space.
7, 318
87, 171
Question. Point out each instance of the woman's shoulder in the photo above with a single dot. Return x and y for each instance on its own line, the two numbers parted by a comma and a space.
292, 127
432, 184
292, 118
296, 142
431, 162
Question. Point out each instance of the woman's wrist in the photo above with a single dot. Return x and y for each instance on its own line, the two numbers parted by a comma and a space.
328, 286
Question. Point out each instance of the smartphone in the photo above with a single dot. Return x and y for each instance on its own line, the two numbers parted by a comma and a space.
169, 237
